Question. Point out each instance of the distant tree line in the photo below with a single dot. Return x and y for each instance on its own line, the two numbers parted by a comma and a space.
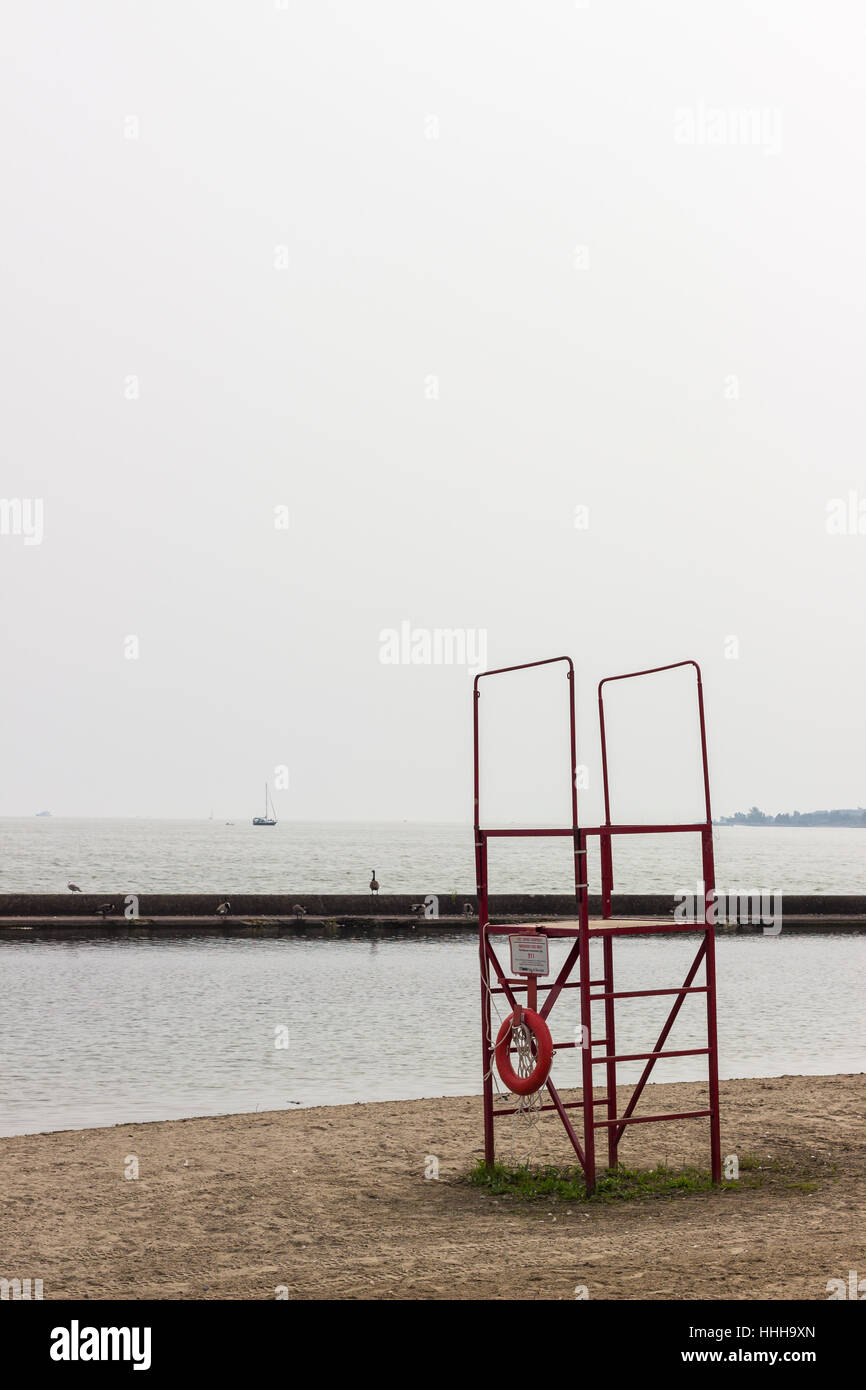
756, 817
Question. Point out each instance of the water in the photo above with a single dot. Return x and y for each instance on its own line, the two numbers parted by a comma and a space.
105, 1032
111, 856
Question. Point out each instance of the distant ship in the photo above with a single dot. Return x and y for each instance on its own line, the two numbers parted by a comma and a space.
43, 813
270, 816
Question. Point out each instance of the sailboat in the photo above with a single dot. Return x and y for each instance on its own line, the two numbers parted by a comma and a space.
270, 816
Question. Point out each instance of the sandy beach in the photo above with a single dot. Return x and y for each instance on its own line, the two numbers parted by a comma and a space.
333, 1203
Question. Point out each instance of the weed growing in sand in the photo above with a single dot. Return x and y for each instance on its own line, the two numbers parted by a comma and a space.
750, 1162
528, 1183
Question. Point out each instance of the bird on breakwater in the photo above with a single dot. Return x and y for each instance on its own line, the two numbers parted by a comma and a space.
105, 908
417, 907
299, 911
73, 887
468, 910
224, 909
374, 886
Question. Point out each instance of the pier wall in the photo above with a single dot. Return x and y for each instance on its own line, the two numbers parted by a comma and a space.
77, 912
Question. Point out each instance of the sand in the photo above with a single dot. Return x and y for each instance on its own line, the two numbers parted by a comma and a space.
333, 1203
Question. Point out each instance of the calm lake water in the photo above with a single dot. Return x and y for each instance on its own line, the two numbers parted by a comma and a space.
104, 1032
41, 855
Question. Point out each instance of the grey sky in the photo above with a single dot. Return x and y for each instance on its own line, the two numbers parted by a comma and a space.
432, 277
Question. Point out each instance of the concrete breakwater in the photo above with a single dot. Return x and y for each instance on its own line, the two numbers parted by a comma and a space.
80, 914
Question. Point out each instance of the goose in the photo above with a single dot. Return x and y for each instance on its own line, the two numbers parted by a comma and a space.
374, 886
224, 909
105, 908
299, 911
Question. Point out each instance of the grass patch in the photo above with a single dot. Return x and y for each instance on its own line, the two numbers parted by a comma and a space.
749, 1162
788, 1171
526, 1182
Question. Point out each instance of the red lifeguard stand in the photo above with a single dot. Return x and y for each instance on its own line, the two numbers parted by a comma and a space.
496, 980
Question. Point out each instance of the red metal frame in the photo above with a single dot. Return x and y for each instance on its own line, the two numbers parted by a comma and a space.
579, 954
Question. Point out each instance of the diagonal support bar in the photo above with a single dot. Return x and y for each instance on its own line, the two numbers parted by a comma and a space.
559, 983
503, 979
569, 1128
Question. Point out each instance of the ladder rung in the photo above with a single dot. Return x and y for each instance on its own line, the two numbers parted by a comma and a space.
644, 1056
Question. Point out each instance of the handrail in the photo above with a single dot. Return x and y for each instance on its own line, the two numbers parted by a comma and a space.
653, 671
525, 666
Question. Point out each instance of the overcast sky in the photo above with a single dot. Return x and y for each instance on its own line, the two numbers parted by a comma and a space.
539, 322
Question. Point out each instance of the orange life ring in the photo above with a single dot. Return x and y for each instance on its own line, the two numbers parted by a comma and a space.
525, 1085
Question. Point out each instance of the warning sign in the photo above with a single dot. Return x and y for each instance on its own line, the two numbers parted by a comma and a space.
529, 955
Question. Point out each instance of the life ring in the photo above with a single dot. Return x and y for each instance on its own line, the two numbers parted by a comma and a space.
525, 1085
